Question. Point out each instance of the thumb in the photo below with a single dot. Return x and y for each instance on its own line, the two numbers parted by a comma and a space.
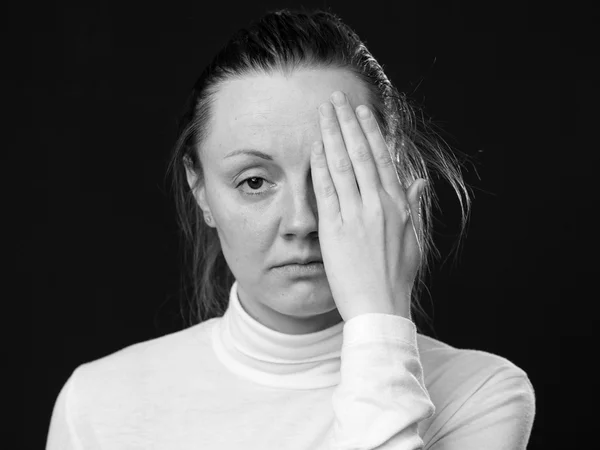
414, 199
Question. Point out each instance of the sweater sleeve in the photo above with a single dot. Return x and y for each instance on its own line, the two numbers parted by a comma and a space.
381, 397
61, 434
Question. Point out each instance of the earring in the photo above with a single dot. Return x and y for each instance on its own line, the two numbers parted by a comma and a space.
208, 218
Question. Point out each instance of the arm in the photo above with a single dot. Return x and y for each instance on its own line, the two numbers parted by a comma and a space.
369, 231
381, 397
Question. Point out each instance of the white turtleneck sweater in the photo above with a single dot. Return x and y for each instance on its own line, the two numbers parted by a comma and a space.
232, 383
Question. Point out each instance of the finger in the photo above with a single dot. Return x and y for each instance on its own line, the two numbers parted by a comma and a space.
358, 148
414, 193
338, 161
386, 168
327, 200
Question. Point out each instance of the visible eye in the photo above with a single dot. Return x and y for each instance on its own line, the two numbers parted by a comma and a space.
254, 183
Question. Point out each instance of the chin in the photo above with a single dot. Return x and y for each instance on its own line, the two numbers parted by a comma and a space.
304, 300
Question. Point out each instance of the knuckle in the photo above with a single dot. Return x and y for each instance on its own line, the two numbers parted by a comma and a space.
342, 165
362, 153
328, 190
329, 126
320, 162
384, 160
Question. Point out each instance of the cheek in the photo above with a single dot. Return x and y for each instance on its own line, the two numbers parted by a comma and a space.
245, 235
246, 230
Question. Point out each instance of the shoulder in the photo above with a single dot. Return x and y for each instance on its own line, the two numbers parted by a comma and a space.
470, 386
464, 364
124, 389
135, 369
465, 369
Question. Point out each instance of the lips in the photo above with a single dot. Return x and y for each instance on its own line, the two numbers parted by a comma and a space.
310, 270
302, 262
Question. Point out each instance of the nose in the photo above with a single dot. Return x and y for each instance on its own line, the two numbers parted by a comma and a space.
300, 217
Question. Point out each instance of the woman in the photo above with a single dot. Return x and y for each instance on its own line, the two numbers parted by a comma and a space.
301, 181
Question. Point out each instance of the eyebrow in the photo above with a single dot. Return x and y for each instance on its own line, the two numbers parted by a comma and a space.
250, 152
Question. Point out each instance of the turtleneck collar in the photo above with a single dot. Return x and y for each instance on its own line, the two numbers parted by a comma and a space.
275, 359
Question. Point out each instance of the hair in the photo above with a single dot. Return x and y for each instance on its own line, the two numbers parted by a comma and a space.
280, 42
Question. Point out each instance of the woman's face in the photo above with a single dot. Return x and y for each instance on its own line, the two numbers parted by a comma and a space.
264, 209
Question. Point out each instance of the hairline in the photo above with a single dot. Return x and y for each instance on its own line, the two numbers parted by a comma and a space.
286, 69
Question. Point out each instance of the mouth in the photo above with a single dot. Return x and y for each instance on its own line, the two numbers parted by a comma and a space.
311, 269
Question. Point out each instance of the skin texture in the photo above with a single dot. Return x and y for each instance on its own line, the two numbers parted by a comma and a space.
279, 116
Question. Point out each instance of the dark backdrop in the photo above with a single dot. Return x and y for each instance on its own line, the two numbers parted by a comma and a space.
94, 92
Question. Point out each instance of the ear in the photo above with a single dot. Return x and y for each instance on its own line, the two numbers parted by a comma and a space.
199, 190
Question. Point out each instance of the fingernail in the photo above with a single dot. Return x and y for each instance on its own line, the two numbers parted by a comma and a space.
363, 112
338, 98
326, 110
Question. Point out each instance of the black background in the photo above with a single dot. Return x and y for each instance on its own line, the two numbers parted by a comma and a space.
94, 92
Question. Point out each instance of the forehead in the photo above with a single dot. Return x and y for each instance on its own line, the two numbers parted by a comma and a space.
276, 111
